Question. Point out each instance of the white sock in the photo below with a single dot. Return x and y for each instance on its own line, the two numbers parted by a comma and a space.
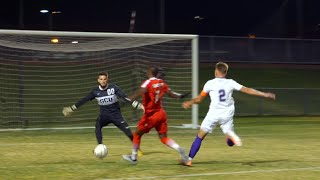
134, 154
173, 145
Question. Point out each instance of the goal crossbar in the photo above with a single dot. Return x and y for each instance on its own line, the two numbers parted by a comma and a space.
96, 34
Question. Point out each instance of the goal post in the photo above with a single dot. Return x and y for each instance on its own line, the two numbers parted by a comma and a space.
42, 71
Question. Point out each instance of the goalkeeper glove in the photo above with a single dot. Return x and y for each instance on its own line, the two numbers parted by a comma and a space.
66, 111
137, 105
184, 95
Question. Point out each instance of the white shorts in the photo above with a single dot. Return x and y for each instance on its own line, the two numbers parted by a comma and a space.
209, 123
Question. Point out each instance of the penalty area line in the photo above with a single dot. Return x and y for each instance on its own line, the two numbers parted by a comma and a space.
67, 128
217, 173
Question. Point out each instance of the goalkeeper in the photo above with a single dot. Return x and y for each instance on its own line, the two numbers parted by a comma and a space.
107, 96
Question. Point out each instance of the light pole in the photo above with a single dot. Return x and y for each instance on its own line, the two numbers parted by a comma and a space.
198, 21
50, 17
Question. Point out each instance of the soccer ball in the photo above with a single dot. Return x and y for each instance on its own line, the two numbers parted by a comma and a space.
101, 151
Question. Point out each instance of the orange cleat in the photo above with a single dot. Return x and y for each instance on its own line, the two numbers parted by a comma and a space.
189, 163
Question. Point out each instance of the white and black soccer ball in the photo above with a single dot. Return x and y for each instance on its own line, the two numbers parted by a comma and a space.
101, 151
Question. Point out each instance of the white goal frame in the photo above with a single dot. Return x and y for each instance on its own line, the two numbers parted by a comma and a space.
194, 43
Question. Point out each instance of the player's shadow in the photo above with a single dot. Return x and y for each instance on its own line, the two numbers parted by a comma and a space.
247, 163
153, 152
109, 162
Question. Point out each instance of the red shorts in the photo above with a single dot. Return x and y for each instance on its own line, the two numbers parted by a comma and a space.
157, 120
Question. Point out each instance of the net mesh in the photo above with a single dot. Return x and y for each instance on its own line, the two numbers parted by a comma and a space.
39, 77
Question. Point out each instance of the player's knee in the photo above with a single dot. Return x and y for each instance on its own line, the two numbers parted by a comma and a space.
135, 134
98, 126
139, 132
130, 136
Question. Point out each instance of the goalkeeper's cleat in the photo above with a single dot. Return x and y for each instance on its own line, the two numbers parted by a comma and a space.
184, 157
129, 158
140, 153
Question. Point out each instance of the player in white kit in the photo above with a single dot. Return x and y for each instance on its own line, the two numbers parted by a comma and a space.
221, 110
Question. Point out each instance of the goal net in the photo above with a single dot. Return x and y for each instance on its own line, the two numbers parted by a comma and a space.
42, 71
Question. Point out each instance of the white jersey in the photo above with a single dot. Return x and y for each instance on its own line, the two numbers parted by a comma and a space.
220, 91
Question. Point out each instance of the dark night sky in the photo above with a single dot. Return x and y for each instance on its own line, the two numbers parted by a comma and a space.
267, 18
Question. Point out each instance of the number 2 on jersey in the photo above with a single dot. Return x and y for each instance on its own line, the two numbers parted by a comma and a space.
222, 95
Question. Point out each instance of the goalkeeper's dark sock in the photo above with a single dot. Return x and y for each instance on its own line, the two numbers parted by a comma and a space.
99, 135
195, 147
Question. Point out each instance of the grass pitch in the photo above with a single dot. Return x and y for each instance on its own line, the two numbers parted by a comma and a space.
273, 148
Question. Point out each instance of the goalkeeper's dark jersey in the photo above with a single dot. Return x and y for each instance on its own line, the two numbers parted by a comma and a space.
107, 98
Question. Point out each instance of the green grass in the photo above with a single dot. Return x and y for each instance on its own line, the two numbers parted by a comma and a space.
274, 148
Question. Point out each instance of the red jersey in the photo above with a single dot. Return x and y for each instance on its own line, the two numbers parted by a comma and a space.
152, 99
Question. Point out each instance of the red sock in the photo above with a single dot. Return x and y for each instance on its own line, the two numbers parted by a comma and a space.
165, 140
136, 141
170, 142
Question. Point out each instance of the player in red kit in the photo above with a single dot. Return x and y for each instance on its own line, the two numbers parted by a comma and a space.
152, 91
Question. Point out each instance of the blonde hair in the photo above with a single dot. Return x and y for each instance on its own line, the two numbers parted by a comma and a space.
222, 67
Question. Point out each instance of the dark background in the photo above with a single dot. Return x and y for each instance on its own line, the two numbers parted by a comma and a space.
263, 18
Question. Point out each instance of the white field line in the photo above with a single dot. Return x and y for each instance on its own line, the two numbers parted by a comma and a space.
217, 173
41, 129
192, 175
64, 128
112, 127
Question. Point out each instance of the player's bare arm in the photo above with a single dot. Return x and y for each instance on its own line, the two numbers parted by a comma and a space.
174, 94
254, 92
140, 92
196, 100
132, 98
